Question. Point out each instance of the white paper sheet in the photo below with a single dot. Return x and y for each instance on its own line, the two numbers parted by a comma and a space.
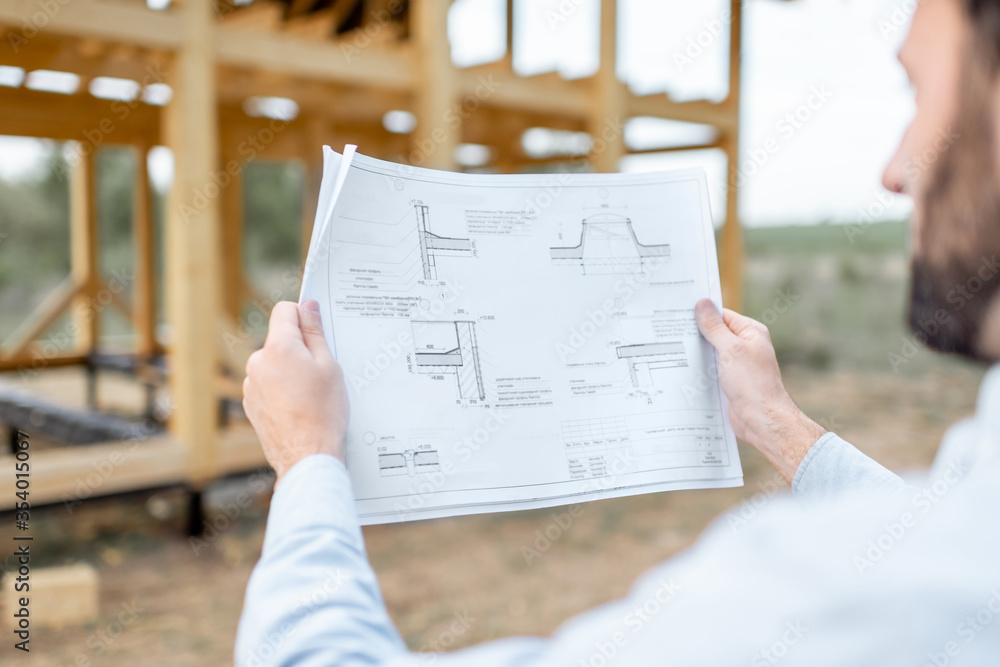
516, 342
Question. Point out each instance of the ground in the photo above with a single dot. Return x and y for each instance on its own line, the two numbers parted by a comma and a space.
846, 362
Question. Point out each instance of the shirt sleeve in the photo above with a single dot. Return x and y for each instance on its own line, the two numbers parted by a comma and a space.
313, 599
834, 466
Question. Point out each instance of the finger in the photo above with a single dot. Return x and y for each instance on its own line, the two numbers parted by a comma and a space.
711, 325
312, 328
284, 324
738, 323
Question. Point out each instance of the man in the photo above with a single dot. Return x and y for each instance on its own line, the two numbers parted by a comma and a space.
871, 571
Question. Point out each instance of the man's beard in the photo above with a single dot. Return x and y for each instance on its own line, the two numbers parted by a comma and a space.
955, 279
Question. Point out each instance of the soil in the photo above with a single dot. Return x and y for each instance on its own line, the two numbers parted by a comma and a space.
189, 594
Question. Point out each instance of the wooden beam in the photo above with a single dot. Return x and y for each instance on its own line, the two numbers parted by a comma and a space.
674, 149
510, 32
34, 359
61, 597
437, 88
699, 111
84, 251
111, 21
545, 94
732, 231
333, 60
66, 475
318, 25
192, 271
86, 56
232, 224
48, 311
144, 296
608, 112
261, 15
316, 135
87, 120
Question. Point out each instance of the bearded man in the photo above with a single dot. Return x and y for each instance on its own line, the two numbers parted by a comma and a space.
856, 567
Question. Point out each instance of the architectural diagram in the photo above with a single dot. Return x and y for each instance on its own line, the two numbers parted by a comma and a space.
409, 462
645, 358
433, 245
450, 348
608, 244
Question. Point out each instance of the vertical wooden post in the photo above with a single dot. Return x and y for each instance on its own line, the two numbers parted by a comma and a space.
510, 34
606, 124
732, 232
234, 289
84, 254
436, 137
144, 286
315, 136
192, 260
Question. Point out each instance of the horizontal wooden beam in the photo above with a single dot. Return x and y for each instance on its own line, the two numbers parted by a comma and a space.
674, 149
32, 113
722, 116
114, 22
547, 94
76, 474
87, 57
33, 360
327, 60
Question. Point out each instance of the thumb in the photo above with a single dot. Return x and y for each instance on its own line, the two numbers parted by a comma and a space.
711, 325
312, 328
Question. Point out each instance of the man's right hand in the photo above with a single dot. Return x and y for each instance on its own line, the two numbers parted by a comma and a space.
761, 411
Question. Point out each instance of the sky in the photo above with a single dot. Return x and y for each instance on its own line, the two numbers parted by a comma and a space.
829, 63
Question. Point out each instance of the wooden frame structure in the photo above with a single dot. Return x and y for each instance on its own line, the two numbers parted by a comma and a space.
345, 64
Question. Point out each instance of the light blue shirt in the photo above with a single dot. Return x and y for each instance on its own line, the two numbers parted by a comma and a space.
855, 567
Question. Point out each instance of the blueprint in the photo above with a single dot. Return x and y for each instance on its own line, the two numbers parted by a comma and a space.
515, 342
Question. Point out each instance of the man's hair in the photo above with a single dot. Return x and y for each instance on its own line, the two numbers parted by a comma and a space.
985, 18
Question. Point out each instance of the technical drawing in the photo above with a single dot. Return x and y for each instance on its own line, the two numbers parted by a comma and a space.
432, 245
608, 244
450, 348
647, 357
409, 462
